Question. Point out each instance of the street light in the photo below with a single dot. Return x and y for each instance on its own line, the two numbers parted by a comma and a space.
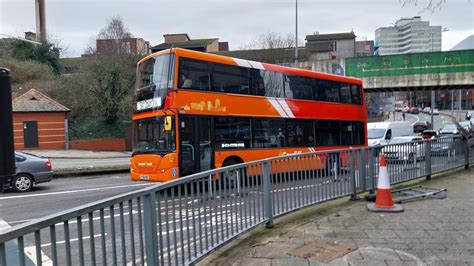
296, 35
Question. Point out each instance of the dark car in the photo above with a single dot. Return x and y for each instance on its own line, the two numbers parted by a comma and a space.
30, 170
420, 126
414, 110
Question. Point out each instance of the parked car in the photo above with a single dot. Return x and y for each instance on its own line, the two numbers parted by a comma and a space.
409, 149
30, 170
435, 111
426, 110
420, 126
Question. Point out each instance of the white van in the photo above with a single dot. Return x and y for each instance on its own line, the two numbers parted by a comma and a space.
381, 133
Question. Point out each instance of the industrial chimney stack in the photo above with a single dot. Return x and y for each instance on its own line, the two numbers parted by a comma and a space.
41, 20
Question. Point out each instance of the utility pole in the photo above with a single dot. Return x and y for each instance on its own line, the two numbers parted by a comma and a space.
296, 35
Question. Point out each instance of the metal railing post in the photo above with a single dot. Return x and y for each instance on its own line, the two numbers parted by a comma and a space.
428, 159
466, 154
267, 196
372, 169
149, 217
362, 169
353, 175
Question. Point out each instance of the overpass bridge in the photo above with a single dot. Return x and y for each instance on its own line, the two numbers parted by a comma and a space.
451, 70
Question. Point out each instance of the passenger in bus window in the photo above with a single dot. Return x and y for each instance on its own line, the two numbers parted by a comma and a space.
186, 82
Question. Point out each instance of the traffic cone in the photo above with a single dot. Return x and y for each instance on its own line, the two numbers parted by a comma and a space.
383, 200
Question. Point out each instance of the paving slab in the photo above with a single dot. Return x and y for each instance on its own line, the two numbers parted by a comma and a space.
429, 232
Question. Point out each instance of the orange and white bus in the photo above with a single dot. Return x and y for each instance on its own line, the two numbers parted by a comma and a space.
196, 111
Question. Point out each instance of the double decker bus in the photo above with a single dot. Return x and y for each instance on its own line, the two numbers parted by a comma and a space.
196, 111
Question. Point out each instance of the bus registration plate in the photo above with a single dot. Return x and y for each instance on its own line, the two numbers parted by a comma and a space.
144, 177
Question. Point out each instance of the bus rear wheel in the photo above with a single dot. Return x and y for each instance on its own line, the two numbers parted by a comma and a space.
333, 166
232, 178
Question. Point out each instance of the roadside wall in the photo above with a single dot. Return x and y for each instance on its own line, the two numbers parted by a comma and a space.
99, 144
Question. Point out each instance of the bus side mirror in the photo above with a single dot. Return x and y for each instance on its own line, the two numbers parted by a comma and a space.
168, 125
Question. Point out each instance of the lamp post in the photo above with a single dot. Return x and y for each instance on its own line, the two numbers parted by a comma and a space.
296, 34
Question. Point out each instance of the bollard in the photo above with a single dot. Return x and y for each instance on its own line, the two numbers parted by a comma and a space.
7, 152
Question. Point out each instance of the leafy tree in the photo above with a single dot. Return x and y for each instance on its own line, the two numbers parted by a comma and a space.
45, 53
111, 81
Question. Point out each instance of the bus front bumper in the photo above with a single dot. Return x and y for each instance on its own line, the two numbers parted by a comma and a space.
162, 175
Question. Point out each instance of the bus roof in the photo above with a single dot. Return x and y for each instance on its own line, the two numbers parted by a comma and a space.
252, 64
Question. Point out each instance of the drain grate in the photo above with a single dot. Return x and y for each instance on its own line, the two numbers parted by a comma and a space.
322, 251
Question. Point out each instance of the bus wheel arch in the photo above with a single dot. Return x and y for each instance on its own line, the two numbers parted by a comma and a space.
231, 160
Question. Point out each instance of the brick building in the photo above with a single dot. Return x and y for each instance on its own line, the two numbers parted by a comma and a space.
127, 45
182, 40
39, 122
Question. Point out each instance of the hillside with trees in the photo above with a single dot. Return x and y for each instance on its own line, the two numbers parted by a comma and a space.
98, 88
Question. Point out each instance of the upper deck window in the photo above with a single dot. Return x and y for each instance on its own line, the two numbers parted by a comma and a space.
209, 76
154, 78
194, 74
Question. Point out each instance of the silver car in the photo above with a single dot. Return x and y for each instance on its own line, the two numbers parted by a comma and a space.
30, 170
407, 148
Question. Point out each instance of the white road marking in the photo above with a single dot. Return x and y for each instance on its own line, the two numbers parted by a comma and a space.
70, 191
30, 252
70, 240
3, 224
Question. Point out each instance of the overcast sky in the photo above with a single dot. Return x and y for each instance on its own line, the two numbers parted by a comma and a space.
76, 23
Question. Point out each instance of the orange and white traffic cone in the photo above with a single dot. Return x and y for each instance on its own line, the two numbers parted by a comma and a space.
383, 200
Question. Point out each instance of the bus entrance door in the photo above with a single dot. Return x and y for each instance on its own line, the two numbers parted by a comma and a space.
196, 147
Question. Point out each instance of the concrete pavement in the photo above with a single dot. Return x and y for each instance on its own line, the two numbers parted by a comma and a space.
79, 154
79, 162
428, 232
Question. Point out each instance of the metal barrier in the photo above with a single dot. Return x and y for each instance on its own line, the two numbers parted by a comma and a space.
181, 221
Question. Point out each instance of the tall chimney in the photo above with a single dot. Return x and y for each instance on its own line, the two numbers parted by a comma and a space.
41, 20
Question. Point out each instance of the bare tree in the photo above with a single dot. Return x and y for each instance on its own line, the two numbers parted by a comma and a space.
115, 29
270, 47
112, 39
273, 40
425, 5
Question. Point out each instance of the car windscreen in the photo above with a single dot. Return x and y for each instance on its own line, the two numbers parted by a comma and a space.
376, 133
